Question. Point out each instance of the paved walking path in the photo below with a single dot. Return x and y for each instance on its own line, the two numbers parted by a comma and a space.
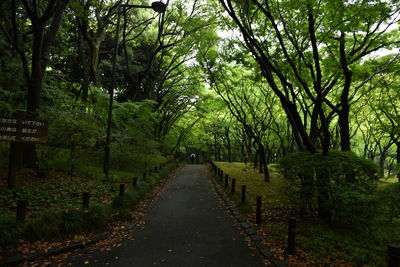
186, 227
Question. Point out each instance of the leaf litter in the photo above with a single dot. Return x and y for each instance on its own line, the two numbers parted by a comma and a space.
117, 232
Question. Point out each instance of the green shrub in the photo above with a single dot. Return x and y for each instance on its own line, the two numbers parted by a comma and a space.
10, 230
132, 197
6, 199
98, 215
46, 225
127, 200
164, 173
73, 221
323, 242
390, 194
144, 187
119, 202
340, 182
123, 215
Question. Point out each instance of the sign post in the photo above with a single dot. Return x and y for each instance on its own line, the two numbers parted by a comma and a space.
19, 130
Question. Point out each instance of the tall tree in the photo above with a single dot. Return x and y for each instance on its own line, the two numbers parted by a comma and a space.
44, 21
308, 50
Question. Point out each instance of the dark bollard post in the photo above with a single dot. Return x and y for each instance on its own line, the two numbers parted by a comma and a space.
243, 194
144, 176
233, 190
85, 200
121, 189
226, 180
21, 209
291, 247
258, 210
221, 173
393, 256
218, 172
134, 181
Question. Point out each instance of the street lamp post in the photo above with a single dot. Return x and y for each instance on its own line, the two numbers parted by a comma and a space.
158, 7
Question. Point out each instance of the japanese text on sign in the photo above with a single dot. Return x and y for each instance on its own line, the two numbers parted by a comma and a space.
23, 130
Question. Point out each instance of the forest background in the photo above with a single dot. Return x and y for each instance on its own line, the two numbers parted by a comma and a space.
250, 81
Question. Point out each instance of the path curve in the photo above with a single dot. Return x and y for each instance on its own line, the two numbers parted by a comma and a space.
186, 227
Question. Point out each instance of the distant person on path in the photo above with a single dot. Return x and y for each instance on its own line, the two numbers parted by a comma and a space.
192, 157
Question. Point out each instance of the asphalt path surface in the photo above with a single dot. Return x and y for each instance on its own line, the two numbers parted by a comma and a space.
187, 226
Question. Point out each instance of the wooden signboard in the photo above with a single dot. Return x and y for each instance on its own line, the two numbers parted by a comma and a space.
23, 130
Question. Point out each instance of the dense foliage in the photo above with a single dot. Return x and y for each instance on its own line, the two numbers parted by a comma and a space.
309, 84
340, 181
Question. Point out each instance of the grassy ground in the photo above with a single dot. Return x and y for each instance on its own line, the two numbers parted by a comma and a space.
389, 179
272, 192
320, 244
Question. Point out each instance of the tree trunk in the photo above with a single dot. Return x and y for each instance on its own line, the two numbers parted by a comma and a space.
263, 163
382, 159
261, 157
15, 158
228, 145
344, 128
42, 41
82, 53
244, 154
215, 148
34, 88
256, 155
94, 63
344, 98
398, 160
248, 147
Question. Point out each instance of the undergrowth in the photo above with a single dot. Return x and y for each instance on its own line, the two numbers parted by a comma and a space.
73, 219
361, 246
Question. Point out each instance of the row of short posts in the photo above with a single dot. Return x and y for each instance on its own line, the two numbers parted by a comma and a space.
393, 251
22, 204
292, 223
156, 169
135, 179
